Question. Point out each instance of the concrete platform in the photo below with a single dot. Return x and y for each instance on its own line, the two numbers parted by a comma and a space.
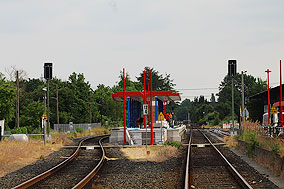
136, 136
176, 133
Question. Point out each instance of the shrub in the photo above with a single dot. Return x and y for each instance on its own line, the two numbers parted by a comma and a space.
79, 130
251, 138
20, 130
173, 143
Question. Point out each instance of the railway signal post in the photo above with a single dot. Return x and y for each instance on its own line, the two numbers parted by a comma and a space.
232, 70
48, 76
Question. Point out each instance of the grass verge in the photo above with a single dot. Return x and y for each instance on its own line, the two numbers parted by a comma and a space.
15, 155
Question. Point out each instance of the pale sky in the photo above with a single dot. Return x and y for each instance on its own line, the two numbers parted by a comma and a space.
190, 39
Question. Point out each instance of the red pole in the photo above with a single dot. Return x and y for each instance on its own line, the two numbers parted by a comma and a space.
144, 100
124, 112
164, 103
281, 108
152, 142
167, 107
268, 71
149, 117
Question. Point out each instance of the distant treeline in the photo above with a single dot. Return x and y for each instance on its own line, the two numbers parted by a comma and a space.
79, 103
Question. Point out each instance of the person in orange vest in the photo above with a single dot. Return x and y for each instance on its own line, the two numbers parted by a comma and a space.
169, 118
139, 122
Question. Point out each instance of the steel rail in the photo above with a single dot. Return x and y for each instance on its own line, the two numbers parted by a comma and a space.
53, 170
84, 181
187, 175
232, 169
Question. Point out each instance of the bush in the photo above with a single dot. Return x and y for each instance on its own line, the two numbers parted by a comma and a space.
173, 143
251, 138
79, 130
20, 130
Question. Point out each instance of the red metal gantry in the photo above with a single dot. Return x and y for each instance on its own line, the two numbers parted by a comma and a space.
143, 97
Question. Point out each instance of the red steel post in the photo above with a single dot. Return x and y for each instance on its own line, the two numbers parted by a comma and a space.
164, 104
281, 108
268, 71
152, 141
149, 113
124, 111
167, 107
144, 101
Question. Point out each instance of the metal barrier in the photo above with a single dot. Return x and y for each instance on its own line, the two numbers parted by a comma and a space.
72, 127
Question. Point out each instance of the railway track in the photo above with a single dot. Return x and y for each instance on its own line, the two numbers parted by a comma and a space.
75, 171
208, 168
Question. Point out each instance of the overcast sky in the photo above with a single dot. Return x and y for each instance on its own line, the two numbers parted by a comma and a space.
190, 39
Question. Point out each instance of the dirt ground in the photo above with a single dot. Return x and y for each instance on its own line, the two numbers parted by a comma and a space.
155, 153
15, 155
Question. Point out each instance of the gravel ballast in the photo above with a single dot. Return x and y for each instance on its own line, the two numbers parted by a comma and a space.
15, 178
125, 173
252, 176
133, 173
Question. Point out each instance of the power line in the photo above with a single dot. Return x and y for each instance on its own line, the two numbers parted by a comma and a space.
196, 89
197, 96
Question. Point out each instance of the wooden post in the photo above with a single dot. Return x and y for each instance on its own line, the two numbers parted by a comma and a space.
281, 108
18, 99
268, 71
124, 112
57, 104
90, 108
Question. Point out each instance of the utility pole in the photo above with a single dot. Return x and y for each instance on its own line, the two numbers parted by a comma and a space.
281, 96
90, 108
57, 104
268, 109
243, 92
243, 101
124, 107
188, 117
18, 99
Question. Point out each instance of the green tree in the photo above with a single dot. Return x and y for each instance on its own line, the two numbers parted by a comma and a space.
159, 82
251, 85
129, 84
108, 108
7, 99
31, 115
